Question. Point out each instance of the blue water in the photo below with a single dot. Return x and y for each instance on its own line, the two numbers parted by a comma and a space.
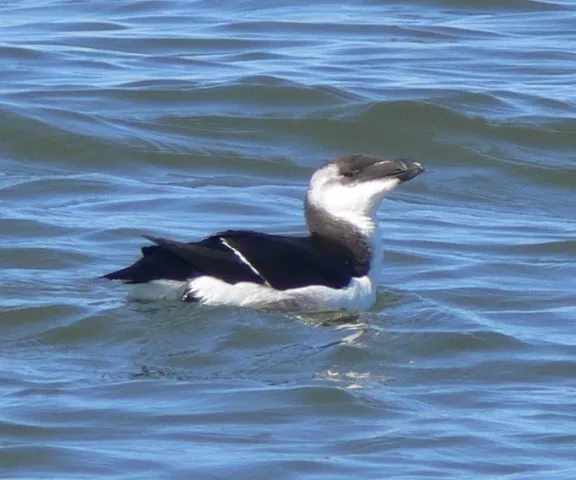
179, 119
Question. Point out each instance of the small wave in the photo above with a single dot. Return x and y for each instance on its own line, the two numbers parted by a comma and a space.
498, 5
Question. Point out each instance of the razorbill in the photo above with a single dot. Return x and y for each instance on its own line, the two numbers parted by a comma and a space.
334, 267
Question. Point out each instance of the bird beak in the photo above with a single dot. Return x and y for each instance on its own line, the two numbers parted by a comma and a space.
411, 169
402, 169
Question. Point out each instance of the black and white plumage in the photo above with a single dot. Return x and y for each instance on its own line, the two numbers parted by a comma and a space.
334, 267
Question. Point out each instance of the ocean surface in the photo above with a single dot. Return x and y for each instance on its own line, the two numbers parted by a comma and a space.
180, 118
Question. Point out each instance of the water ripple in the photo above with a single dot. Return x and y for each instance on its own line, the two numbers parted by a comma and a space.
180, 119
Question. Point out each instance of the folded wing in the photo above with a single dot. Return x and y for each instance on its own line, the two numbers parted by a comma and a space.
291, 262
241, 256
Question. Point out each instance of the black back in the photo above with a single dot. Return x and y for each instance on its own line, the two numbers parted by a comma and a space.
282, 262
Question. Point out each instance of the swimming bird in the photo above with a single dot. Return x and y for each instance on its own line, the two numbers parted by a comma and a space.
334, 267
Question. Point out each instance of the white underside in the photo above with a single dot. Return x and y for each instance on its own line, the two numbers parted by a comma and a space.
359, 295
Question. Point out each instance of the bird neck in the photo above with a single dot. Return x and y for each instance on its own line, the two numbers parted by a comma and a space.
358, 235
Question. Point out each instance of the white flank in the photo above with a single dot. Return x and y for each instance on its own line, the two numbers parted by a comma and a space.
243, 259
359, 295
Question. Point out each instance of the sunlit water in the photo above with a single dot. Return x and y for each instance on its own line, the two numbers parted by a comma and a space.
179, 119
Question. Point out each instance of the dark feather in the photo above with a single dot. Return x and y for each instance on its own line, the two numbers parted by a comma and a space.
155, 264
292, 262
281, 261
173, 260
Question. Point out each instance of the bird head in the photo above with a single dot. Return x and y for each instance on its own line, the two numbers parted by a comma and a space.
354, 185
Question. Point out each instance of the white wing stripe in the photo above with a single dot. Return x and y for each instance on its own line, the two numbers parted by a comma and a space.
244, 260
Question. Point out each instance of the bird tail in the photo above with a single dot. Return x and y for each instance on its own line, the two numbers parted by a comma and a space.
156, 263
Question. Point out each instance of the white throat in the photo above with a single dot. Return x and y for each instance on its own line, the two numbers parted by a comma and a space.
352, 203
